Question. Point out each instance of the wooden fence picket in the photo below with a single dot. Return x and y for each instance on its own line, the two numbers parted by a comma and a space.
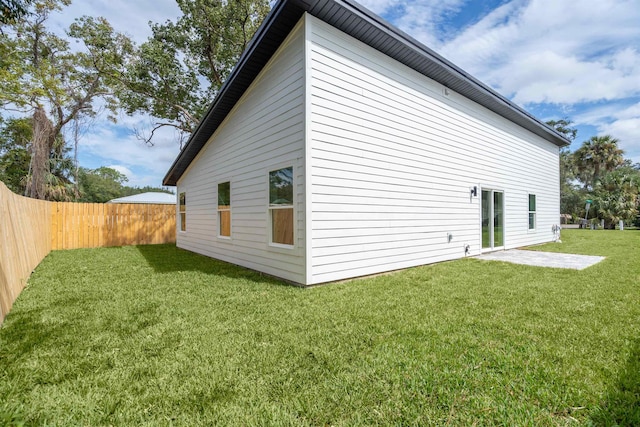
92, 225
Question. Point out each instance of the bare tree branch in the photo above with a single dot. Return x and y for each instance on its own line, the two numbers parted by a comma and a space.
186, 114
147, 140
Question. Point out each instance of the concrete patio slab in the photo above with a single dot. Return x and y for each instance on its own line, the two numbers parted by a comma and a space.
543, 259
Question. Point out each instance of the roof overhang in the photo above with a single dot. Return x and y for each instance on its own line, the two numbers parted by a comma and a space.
362, 24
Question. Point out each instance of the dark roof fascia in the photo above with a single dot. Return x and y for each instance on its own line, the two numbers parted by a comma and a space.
381, 36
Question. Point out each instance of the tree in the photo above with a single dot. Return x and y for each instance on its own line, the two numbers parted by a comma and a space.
571, 196
15, 161
598, 155
15, 135
100, 185
53, 84
609, 179
130, 191
615, 196
180, 68
564, 127
10, 10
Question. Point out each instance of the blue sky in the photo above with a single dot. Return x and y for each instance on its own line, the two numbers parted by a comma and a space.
555, 58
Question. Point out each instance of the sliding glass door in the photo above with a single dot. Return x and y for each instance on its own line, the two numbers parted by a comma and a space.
492, 219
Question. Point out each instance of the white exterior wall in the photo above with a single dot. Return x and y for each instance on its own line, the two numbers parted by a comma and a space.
264, 131
392, 160
383, 163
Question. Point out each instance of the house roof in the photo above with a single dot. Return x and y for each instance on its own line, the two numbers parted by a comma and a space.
362, 24
151, 197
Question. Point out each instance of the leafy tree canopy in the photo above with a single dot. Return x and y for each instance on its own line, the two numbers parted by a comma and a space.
16, 135
564, 126
10, 10
100, 185
178, 71
598, 155
615, 197
14, 155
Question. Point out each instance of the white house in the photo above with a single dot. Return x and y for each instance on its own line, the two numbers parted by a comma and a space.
340, 147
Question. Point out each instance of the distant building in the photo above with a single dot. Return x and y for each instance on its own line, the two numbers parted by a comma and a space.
151, 198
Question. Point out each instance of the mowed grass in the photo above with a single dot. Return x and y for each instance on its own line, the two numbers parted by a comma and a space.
153, 335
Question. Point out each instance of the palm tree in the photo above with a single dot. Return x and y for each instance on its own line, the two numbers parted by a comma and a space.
616, 196
596, 156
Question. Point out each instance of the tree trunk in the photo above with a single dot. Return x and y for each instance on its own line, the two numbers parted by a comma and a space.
41, 146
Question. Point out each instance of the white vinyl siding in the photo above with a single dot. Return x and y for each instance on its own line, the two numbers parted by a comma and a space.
265, 128
393, 158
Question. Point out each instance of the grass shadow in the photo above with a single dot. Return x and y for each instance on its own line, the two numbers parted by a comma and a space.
621, 406
25, 336
24, 331
168, 258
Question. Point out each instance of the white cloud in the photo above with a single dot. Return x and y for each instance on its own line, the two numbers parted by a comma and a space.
480, 42
624, 125
123, 170
554, 51
618, 120
420, 19
548, 77
626, 131
111, 144
601, 114
378, 6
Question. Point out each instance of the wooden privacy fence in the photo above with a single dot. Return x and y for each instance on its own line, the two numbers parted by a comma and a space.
25, 239
30, 229
92, 225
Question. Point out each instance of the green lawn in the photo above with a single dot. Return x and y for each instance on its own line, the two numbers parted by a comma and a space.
153, 335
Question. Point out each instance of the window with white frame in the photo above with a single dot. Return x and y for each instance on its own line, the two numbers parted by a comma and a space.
183, 211
532, 211
224, 209
281, 206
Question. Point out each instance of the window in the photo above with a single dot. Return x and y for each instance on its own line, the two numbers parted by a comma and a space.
281, 206
224, 209
532, 211
183, 212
